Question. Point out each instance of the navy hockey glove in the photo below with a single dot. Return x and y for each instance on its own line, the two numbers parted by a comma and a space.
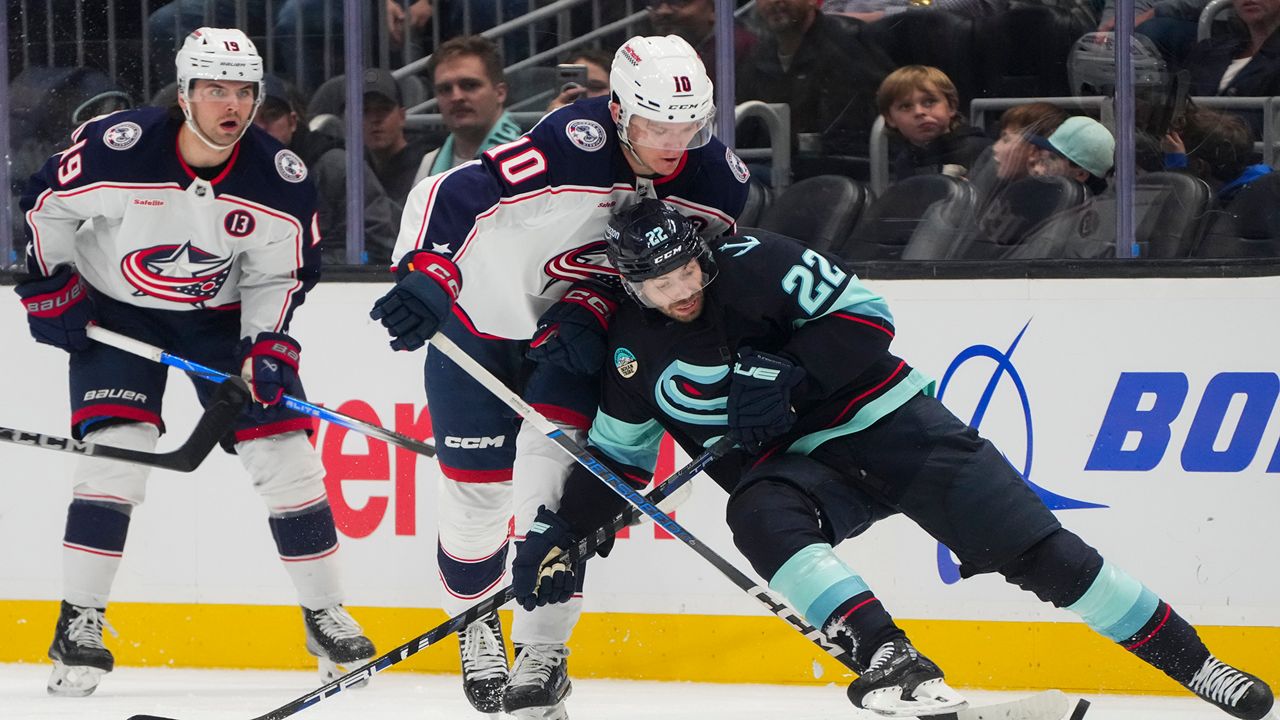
58, 309
427, 285
760, 398
536, 579
573, 333
269, 365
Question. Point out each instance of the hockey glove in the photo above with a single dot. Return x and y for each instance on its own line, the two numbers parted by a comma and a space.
760, 398
426, 287
269, 365
58, 309
536, 579
573, 333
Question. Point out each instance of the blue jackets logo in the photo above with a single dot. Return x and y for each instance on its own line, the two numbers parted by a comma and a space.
177, 273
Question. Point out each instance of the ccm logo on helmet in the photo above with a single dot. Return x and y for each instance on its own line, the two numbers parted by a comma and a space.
474, 443
684, 107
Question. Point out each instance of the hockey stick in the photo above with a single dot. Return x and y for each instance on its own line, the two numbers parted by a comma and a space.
227, 402
1023, 709
585, 547
151, 352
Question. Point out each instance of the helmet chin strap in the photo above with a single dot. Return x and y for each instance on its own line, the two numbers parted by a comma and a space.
653, 174
191, 123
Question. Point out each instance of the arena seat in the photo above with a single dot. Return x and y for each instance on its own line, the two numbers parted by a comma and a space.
1170, 212
1249, 226
819, 210
936, 203
1018, 213
759, 197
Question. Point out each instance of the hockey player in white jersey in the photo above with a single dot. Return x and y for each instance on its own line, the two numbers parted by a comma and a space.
190, 229
504, 255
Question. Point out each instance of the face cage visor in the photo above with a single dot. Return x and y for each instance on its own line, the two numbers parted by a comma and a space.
642, 132
675, 286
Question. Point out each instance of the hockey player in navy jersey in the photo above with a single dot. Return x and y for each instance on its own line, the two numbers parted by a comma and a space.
502, 255
782, 348
193, 230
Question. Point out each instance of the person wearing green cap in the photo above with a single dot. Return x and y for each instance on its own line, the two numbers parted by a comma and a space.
1082, 149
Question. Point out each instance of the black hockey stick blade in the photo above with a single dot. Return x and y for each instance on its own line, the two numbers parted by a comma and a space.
1045, 705
584, 548
1082, 707
229, 399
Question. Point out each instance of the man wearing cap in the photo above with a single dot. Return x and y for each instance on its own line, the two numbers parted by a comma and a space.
284, 120
1081, 148
467, 78
393, 157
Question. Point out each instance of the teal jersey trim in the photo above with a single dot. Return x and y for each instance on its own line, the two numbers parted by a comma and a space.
855, 298
628, 443
1116, 605
814, 582
915, 382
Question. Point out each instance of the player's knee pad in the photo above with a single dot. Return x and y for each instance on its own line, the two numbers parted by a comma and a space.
541, 468
844, 509
109, 481
771, 521
472, 518
286, 471
1059, 569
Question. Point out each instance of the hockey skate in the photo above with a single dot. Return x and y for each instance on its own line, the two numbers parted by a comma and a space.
900, 682
539, 683
338, 641
1238, 693
484, 664
79, 657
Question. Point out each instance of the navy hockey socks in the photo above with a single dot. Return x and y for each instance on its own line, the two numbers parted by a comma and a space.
860, 625
1169, 643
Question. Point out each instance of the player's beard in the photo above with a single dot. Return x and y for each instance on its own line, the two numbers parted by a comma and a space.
687, 310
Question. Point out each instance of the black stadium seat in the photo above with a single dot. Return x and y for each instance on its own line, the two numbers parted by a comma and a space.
930, 204
1017, 214
1249, 226
1170, 210
759, 197
819, 210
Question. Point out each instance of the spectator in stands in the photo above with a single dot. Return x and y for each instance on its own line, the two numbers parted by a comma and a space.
1244, 63
1082, 149
1012, 152
695, 21
920, 105
466, 73
873, 10
393, 156
1170, 24
597, 63
824, 66
1216, 147
282, 116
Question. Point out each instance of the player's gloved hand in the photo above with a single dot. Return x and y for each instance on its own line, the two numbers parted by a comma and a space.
537, 579
58, 309
427, 284
269, 364
760, 398
573, 333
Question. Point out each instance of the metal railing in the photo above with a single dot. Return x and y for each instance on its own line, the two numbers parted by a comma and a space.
777, 119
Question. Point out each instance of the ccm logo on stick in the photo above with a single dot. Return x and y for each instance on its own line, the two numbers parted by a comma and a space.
473, 443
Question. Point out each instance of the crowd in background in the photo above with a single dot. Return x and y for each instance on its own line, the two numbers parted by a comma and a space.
840, 65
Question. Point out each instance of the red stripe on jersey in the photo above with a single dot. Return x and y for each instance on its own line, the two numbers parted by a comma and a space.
855, 318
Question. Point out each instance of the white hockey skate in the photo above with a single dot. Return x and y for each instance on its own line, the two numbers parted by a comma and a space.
79, 657
337, 641
900, 682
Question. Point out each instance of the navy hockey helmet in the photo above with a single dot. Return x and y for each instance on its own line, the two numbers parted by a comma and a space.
650, 240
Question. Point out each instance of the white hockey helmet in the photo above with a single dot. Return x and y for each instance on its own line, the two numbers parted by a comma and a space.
662, 80
218, 54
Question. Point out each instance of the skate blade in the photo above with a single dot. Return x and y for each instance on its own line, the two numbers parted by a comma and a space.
330, 671
930, 697
552, 712
74, 680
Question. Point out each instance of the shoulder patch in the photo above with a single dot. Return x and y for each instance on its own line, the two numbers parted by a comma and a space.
290, 166
736, 165
122, 136
586, 134
626, 362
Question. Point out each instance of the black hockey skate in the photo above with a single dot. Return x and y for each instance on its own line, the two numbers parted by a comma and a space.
900, 682
337, 640
539, 683
484, 663
79, 657
1238, 693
